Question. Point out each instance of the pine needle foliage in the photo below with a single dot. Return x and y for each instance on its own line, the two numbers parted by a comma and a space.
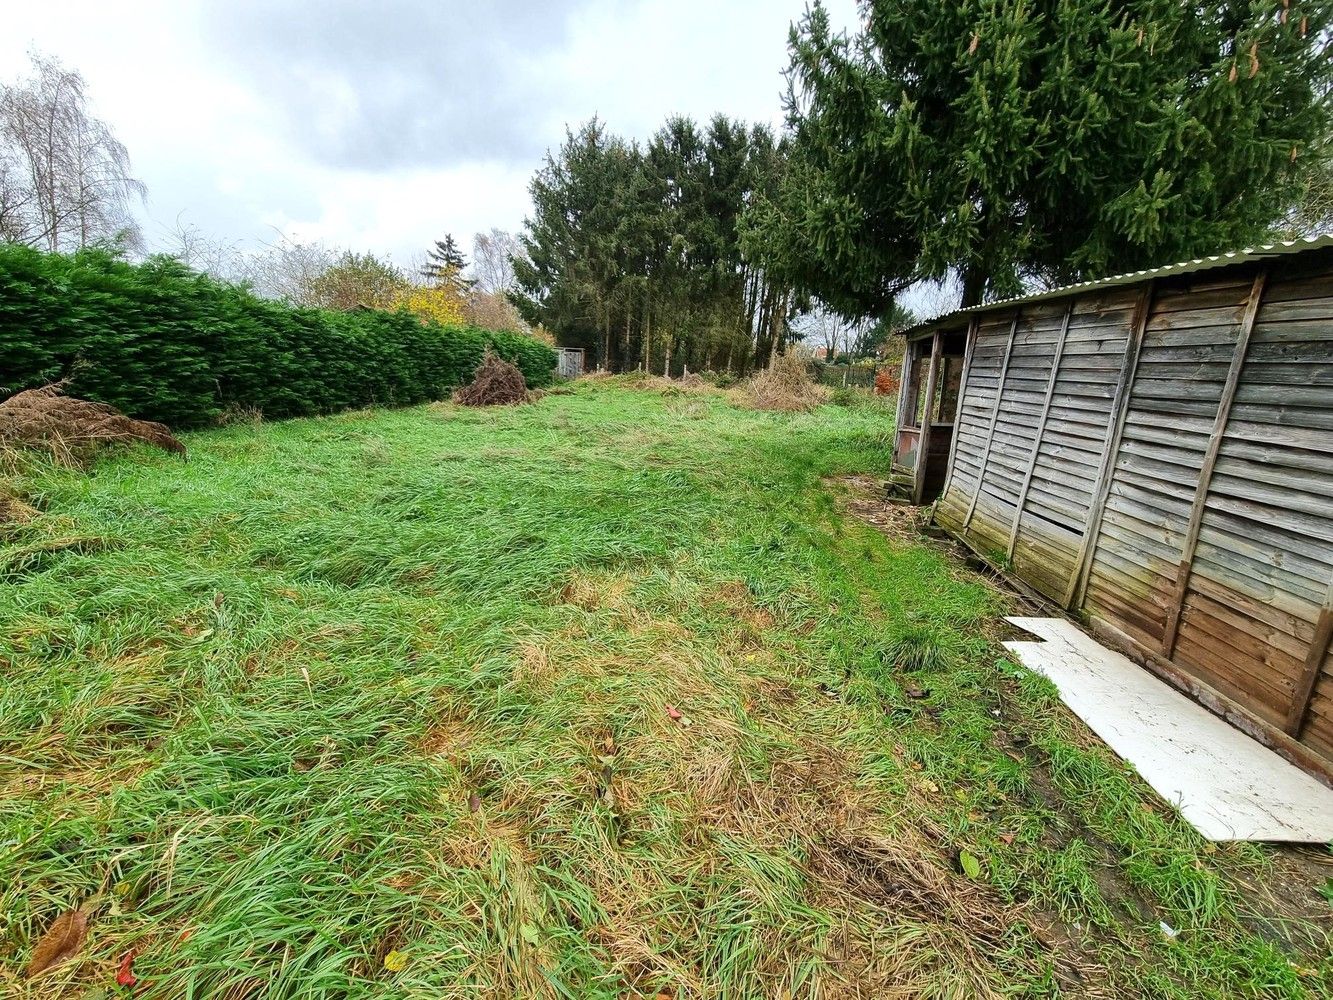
1007, 141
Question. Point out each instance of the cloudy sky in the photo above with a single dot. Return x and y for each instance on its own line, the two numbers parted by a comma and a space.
382, 125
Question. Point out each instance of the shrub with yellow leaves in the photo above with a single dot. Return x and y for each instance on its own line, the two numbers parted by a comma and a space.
441, 303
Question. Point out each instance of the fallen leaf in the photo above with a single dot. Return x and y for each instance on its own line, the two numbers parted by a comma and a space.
674, 713
918, 693
970, 864
1007, 838
60, 943
395, 961
473, 802
125, 974
530, 934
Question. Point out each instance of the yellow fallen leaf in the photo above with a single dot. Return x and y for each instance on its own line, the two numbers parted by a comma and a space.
395, 961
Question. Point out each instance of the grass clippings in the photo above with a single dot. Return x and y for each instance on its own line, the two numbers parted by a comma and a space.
604, 698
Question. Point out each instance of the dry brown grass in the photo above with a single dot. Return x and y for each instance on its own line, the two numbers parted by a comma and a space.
15, 509
786, 386
70, 429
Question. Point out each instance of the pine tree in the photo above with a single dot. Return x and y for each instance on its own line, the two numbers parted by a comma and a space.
636, 252
1011, 141
445, 264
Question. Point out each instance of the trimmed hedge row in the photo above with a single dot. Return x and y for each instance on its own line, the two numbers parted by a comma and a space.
161, 342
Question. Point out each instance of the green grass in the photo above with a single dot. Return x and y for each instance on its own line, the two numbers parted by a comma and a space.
399, 682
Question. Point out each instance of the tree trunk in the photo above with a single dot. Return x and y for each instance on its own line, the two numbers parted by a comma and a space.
775, 321
624, 349
647, 360
974, 285
762, 331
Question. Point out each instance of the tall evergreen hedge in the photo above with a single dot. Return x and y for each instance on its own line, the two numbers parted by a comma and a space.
161, 342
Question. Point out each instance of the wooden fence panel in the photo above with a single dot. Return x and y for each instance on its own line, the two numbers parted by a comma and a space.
1039, 544
1055, 512
1265, 539
1161, 453
1169, 469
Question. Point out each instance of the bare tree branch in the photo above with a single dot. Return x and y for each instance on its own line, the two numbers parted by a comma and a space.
65, 179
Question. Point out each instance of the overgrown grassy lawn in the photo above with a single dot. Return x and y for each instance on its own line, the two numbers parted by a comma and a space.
381, 705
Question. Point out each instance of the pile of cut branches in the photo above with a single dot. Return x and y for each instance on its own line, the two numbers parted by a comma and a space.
497, 382
785, 385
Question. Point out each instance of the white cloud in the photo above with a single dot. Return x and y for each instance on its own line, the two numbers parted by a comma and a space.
380, 127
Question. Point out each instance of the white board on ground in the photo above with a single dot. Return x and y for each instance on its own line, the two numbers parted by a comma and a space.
1226, 785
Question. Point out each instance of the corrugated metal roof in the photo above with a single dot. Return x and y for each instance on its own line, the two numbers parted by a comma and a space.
1166, 270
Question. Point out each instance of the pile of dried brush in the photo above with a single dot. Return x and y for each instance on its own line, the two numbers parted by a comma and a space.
71, 429
785, 385
497, 382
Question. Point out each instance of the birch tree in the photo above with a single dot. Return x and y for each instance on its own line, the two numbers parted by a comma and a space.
65, 180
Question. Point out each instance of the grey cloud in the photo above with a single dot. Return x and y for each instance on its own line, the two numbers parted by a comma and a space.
375, 86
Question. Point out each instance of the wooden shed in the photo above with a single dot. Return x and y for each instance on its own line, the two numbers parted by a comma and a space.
1154, 452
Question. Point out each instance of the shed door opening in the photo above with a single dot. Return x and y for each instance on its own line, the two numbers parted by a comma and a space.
932, 375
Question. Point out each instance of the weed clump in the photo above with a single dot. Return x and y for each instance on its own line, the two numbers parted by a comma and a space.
497, 383
71, 429
785, 385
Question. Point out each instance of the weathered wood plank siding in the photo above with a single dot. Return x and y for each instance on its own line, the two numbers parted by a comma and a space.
1188, 423
977, 410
